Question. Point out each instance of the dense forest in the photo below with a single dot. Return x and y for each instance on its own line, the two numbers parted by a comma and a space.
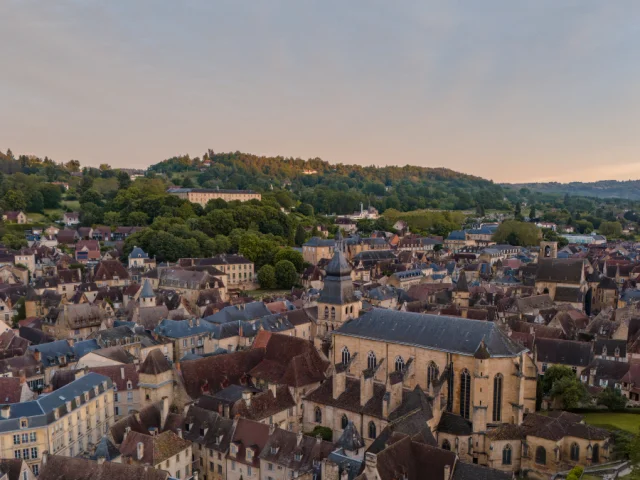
337, 188
629, 189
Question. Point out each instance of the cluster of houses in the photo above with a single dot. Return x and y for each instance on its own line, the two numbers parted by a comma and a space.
399, 357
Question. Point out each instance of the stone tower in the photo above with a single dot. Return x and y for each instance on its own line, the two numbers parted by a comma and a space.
337, 302
548, 250
461, 292
156, 379
147, 297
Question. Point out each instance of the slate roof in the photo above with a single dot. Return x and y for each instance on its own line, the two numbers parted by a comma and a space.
319, 242
147, 290
470, 471
105, 449
350, 440
560, 270
217, 429
40, 412
435, 332
569, 295
296, 452
610, 370
233, 313
137, 252
454, 424
338, 286
565, 352
610, 346
182, 328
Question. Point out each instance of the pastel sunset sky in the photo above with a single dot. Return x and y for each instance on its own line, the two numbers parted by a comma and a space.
509, 90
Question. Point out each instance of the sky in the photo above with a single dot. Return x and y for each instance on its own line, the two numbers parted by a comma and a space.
507, 90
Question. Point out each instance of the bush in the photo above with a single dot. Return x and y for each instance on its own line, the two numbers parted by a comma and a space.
292, 255
577, 471
325, 432
267, 277
286, 274
612, 399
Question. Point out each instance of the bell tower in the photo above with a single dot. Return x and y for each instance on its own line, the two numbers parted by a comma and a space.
548, 250
337, 302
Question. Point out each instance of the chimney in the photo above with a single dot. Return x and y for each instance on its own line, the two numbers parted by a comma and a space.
366, 388
226, 411
165, 411
447, 472
197, 322
45, 457
6, 411
246, 397
122, 373
272, 429
140, 450
179, 432
318, 439
36, 355
339, 383
23, 377
71, 341
100, 460
299, 438
126, 432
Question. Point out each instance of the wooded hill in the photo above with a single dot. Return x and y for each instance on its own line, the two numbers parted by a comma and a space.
337, 188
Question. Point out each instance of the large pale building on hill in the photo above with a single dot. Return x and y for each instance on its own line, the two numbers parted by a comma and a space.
203, 195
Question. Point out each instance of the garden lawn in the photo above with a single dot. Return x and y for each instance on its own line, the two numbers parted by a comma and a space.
71, 204
266, 293
623, 421
35, 217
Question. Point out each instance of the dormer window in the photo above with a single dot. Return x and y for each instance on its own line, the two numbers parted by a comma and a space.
298, 456
129, 385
